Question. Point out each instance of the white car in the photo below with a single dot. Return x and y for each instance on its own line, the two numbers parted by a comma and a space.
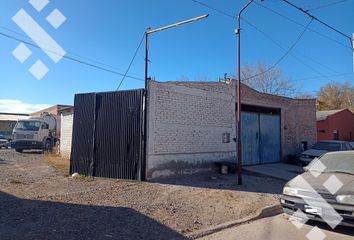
4, 143
323, 147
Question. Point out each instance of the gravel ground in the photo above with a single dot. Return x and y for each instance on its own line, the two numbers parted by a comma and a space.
37, 202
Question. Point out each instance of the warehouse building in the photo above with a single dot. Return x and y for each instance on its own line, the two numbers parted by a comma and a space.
190, 126
8, 122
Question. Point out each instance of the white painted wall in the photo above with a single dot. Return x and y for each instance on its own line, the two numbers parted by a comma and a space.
66, 134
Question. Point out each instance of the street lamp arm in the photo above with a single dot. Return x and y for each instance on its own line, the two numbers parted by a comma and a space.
244, 7
177, 24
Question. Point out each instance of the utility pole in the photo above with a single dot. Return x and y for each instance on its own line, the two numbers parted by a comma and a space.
147, 33
238, 94
353, 52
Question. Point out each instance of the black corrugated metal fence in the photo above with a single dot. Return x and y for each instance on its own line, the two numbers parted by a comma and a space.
108, 135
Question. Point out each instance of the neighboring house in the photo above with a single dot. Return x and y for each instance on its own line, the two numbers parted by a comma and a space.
8, 122
335, 125
67, 116
190, 126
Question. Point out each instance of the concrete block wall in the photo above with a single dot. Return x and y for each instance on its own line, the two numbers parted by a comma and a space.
66, 134
186, 127
186, 122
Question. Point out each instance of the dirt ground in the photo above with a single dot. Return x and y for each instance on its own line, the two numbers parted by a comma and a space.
39, 202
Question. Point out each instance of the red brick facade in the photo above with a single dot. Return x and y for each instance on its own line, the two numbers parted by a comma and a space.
339, 126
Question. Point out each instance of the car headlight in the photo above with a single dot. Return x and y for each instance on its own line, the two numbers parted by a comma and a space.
290, 191
346, 199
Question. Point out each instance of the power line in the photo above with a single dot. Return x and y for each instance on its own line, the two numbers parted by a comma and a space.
215, 9
131, 62
267, 36
326, 5
284, 49
74, 54
300, 24
71, 58
318, 20
284, 55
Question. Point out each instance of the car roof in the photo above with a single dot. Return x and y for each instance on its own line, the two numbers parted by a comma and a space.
333, 141
351, 152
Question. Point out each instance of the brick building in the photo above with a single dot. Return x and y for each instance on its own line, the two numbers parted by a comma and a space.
335, 125
191, 125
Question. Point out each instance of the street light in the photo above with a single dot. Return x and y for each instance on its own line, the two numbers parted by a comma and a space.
150, 31
147, 33
238, 94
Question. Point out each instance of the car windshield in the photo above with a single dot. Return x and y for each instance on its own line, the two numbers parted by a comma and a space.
343, 163
28, 126
327, 146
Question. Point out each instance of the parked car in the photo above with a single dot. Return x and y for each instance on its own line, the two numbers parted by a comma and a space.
4, 143
314, 199
323, 147
352, 143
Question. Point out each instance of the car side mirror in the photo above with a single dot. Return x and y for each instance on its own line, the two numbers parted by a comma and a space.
306, 169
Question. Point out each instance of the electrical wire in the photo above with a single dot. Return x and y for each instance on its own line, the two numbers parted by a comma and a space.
71, 58
71, 53
300, 24
283, 56
131, 62
269, 37
326, 5
318, 20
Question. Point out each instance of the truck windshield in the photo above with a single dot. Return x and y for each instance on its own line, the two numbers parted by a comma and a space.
28, 126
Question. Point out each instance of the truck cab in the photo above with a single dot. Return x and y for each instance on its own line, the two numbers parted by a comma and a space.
35, 133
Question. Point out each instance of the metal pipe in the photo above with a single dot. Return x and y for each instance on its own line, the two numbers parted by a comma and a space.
238, 94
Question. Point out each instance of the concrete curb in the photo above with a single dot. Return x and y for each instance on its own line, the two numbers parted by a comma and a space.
262, 213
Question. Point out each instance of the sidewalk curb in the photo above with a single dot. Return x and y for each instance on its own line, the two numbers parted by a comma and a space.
262, 213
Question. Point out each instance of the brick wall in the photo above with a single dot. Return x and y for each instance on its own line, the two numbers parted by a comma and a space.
186, 127
66, 134
187, 120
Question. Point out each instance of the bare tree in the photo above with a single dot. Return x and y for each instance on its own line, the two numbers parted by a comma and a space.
336, 96
266, 79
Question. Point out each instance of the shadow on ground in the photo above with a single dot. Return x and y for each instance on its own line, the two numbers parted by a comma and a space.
31, 219
213, 180
340, 229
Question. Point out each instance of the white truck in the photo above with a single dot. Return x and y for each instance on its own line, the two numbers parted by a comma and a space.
41, 133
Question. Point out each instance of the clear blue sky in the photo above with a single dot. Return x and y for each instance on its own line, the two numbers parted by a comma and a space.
108, 31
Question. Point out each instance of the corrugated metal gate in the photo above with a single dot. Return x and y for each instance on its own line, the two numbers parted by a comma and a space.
261, 141
108, 135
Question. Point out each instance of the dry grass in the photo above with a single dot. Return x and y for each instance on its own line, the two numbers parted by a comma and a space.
82, 178
60, 164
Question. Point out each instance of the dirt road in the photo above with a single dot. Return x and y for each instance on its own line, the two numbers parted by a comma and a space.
37, 202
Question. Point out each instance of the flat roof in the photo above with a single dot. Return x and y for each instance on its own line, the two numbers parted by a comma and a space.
13, 116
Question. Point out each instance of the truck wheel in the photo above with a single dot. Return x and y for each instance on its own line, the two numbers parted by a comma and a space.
48, 146
19, 150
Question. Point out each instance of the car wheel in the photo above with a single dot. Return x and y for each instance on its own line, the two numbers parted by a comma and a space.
19, 150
